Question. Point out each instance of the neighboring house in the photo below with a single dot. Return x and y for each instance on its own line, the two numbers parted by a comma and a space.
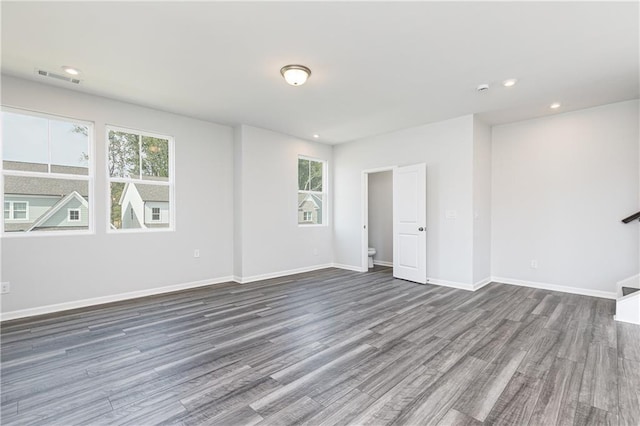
44, 203
309, 208
144, 206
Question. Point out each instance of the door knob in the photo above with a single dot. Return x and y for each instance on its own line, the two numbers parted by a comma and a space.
421, 229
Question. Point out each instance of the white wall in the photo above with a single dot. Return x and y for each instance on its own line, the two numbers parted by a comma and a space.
45, 270
481, 201
446, 148
561, 185
237, 202
381, 215
271, 239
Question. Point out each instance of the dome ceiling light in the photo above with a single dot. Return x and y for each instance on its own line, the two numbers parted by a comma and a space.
295, 75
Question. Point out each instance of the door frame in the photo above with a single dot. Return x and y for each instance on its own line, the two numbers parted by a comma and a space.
364, 225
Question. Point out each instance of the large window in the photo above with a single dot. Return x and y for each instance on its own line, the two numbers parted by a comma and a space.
140, 180
311, 191
47, 170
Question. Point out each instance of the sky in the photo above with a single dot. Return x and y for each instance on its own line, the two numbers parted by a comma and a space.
25, 138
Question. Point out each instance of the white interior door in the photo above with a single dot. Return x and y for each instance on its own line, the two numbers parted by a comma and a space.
409, 223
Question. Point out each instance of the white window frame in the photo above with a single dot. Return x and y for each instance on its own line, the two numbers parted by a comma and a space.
304, 216
170, 182
153, 213
89, 177
79, 219
12, 210
324, 193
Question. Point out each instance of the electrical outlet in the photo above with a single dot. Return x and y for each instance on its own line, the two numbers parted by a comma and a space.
6, 288
534, 263
196, 253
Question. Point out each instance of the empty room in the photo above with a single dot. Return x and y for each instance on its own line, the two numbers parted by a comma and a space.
320, 213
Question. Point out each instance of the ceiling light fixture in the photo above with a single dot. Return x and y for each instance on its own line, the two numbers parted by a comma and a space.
295, 75
509, 83
71, 70
555, 105
316, 136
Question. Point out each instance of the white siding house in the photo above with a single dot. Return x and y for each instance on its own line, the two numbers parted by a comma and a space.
44, 203
144, 206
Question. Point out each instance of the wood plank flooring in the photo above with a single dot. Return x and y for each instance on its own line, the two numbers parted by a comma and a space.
330, 347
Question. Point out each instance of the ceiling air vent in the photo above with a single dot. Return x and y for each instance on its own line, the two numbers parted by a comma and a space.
58, 77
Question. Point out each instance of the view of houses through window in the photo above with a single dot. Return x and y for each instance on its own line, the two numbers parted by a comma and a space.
311, 191
139, 179
74, 215
47, 172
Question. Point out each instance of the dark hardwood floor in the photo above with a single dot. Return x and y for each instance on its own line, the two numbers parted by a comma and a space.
327, 347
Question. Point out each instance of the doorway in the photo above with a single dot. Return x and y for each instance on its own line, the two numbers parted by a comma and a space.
394, 220
379, 218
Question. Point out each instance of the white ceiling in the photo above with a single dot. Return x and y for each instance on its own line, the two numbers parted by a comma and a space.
377, 66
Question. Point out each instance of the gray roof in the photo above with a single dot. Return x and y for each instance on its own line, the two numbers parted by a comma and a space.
43, 168
15, 227
153, 192
22, 185
302, 197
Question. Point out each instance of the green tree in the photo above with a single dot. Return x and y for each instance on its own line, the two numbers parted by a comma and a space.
155, 157
83, 130
116, 208
124, 154
309, 175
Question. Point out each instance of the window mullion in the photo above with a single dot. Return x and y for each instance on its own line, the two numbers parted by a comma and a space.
140, 156
49, 146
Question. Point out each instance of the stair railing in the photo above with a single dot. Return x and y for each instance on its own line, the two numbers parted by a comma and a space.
631, 218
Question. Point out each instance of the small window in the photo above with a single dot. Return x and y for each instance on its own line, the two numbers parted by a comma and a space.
16, 210
311, 191
155, 214
74, 215
20, 210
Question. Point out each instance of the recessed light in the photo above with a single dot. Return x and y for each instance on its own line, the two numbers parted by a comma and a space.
555, 105
316, 136
71, 70
482, 87
510, 83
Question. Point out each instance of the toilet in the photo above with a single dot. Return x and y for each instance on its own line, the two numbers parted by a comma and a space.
371, 253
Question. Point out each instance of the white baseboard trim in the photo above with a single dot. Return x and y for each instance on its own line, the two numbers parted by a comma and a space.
253, 278
556, 287
616, 318
48, 309
383, 263
481, 283
452, 284
347, 267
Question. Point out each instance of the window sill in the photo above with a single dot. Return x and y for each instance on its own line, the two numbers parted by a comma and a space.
34, 234
139, 231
